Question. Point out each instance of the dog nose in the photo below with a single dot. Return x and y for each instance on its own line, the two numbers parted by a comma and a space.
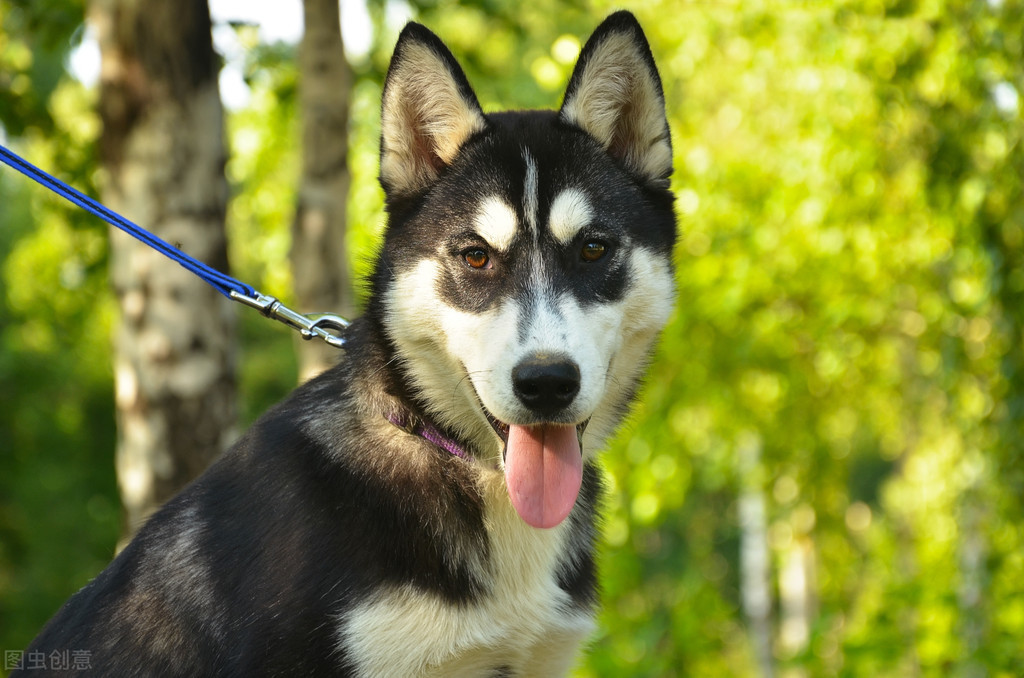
546, 384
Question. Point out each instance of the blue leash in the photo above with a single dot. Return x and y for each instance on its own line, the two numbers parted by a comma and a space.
327, 326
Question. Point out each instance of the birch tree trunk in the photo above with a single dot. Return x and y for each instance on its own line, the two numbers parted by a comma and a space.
755, 558
319, 259
796, 600
163, 154
973, 553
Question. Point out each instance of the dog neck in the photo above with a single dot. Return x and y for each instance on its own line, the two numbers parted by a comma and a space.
417, 426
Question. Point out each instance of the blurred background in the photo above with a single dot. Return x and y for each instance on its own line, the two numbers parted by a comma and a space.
824, 476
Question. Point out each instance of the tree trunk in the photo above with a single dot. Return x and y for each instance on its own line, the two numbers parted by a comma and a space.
319, 260
163, 154
796, 599
973, 553
755, 558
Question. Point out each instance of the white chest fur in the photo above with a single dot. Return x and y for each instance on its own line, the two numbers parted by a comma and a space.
524, 623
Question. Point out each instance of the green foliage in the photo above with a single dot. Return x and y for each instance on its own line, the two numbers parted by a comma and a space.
846, 184
851, 303
59, 512
34, 39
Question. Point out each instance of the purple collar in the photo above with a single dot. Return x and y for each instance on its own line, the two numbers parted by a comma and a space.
410, 423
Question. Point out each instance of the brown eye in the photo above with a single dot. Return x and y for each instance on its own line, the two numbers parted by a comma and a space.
592, 251
476, 258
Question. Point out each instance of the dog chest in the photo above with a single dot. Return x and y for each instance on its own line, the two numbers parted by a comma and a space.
523, 624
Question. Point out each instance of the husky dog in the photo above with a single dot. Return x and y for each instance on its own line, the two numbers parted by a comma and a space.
428, 507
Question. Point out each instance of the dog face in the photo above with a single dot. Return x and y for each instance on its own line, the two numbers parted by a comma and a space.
527, 269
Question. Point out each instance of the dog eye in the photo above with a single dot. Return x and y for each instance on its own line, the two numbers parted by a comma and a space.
476, 258
592, 251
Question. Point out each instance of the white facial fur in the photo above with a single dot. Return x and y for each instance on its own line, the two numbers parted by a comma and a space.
455, 356
496, 223
570, 211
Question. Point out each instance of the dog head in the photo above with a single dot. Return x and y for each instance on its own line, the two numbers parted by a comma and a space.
526, 268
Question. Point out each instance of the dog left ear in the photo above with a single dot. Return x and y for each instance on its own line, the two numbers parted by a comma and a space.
615, 95
428, 112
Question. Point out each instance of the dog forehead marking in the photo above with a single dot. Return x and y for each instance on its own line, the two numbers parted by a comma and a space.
570, 212
496, 223
531, 192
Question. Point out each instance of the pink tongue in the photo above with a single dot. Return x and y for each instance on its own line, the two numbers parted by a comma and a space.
543, 471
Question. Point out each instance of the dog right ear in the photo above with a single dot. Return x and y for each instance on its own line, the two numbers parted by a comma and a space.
428, 112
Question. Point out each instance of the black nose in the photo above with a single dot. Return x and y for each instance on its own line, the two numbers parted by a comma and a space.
546, 384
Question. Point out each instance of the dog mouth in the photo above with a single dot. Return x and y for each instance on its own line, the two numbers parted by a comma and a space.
543, 465
501, 429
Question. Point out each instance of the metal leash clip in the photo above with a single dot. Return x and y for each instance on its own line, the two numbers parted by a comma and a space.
327, 326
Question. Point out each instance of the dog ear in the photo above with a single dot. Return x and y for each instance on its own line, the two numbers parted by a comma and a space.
428, 112
615, 95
